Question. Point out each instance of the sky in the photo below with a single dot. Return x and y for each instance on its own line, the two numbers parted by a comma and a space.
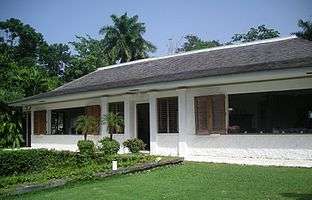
60, 20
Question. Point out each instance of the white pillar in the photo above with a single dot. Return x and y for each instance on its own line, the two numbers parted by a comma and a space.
128, 118
104, 111
153, 123
48, 122
182, 145
32, 117
227, 113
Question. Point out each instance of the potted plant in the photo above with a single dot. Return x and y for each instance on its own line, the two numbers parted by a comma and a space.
114, 123
86, 124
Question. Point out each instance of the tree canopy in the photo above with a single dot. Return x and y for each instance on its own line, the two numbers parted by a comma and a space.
306, 32
193, 42
124, 39
29, 65
259, 33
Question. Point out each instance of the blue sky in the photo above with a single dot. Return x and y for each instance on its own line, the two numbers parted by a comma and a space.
60, 21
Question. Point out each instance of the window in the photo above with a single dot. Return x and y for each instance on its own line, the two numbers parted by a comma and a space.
210, 114
167, 115
63, 120
117, 108
279, 112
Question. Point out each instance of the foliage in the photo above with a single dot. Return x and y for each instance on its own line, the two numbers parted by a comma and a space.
86, 125
86, 147
306, 32
54, 58
193, 42
40, 165
90, 55
22, 42
124, 38
109, 146
32, 160
259, 33
10, 130
134, 145
114, 123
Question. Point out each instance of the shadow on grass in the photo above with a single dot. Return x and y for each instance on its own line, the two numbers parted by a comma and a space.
297, 196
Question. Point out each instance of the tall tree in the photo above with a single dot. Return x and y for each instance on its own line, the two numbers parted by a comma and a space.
54, 58
21, 41
193, 42
91, 54
124, 38
306, 31
259, 33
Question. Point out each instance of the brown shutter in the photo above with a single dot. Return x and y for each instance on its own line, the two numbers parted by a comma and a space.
40, 122
173, 114
218, 113
162, 115
210, 114
201, 114
94, 111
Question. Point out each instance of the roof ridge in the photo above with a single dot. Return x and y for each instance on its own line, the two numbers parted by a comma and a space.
277, 39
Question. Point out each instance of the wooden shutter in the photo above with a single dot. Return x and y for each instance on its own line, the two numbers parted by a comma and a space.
210, 114
173, 115
218, 113
40, 122
167, 110
162, 115
94, 111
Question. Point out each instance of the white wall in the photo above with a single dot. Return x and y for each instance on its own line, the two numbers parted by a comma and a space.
292, 150
289, 149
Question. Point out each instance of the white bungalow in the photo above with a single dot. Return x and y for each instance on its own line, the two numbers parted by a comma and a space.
249, 103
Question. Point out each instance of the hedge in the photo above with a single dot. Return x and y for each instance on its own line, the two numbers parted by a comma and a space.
18, 162
13, 162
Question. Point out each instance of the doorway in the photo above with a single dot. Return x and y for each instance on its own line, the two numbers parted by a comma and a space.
143, 123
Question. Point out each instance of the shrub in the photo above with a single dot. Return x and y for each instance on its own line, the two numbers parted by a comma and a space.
109, 146
86, 147
33, 160
134, 145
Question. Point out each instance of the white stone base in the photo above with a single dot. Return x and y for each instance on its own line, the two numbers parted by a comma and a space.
252, 161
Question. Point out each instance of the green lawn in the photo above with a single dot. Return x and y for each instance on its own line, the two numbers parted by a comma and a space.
193, 181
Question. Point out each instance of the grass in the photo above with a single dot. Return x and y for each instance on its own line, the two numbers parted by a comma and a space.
192, 181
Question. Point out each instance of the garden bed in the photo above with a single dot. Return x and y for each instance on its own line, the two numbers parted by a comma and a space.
28, 170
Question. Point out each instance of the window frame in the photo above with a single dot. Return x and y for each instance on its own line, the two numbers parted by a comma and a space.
168, 126
64, 112
122, 114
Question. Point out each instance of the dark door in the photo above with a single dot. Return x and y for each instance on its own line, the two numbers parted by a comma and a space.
143, 123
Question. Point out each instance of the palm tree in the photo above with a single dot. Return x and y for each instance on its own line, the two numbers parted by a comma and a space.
86, 124
124, 39
114, 123
306, 32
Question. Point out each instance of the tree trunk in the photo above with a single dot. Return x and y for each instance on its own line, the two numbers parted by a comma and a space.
85, 136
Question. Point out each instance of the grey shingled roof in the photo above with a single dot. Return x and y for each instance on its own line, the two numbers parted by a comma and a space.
280, 54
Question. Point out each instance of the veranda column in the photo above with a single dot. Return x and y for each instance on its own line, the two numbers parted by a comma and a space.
48, 122
153, 123
182, 145
104, 111
32, 118
128, 118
